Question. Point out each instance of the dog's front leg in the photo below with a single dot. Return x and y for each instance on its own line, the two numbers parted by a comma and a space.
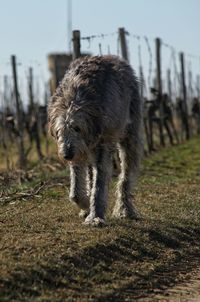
101, 172
78, 188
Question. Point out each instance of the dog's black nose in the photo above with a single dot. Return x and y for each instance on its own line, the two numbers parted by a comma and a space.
69, 153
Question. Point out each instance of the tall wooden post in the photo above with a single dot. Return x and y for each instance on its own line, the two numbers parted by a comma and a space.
5, 92
159, 88
141, 82
76, 44
169, 84
184, 90
30, 86
4, 103
69, 25
122, 38
198, 87
100, 49
190, 87
22, 157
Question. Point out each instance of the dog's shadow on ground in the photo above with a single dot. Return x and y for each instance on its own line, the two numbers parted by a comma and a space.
149, 256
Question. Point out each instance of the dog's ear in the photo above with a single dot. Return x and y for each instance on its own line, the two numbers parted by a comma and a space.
51, 130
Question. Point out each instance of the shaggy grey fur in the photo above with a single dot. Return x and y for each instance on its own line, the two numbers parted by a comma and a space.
95, 110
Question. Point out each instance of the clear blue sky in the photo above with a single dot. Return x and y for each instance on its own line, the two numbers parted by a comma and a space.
32, 28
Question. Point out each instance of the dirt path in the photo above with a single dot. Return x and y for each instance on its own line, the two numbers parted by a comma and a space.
186, 291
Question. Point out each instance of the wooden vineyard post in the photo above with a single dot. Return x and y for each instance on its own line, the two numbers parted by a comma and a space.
76, 44
123, 44
184, 90
30, 86
169, 84
198, 87
159, 87
34, 123
19, 116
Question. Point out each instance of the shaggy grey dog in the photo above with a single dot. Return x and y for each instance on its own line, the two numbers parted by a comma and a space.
95, 111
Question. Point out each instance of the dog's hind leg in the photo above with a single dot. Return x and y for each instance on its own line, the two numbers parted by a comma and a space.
101, 173
78, 187
129, 153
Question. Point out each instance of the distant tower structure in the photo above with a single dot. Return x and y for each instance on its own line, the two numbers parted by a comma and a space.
69, 24
58, 64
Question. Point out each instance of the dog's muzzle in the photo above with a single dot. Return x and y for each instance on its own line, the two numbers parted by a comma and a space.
68, 152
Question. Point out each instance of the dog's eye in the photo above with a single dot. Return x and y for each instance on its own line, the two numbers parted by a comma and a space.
77, 129
57, 133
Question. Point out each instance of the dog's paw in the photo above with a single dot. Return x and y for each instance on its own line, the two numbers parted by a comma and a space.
82, 202
123, 213
83, 213
94, 221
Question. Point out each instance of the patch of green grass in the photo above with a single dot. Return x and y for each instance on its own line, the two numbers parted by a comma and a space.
48, 255
32, 157
177, 164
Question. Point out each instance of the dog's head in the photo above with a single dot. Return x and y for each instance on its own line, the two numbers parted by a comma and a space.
76, 133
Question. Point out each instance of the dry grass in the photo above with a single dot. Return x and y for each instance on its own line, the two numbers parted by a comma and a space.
48, 255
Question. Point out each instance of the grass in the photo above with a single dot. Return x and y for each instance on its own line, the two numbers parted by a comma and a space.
10, 154
48, 255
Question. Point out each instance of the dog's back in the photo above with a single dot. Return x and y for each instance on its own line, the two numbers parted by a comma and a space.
107, 85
